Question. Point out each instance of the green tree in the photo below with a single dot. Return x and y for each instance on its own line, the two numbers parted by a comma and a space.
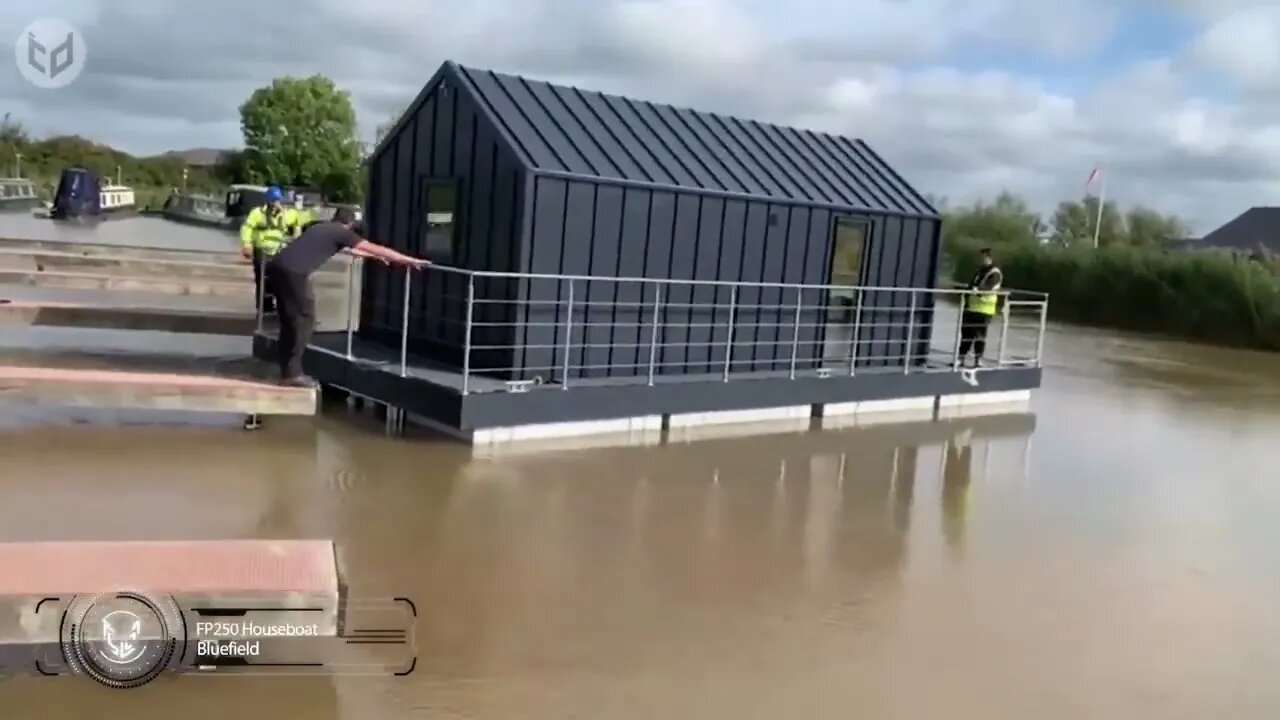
1074, 223
1005, 221
302, 131
1147, 228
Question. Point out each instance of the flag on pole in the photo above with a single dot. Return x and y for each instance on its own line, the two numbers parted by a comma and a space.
1093, 177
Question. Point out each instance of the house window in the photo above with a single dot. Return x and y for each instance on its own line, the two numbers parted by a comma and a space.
848, 246
438, 220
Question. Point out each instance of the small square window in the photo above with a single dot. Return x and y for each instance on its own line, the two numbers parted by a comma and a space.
438, 220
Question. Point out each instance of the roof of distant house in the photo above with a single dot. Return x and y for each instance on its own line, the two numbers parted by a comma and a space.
1257, 228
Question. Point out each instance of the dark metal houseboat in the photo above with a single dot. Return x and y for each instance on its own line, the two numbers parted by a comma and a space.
611, 264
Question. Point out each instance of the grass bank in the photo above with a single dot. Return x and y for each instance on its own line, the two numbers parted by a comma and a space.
1201, 296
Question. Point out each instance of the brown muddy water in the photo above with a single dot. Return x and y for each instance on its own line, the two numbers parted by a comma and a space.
1114, 555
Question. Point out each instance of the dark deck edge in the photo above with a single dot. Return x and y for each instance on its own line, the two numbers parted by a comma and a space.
447, 407
599, 403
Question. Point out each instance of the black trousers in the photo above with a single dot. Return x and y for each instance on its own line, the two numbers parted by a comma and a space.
296, 309
973, 334
263, 301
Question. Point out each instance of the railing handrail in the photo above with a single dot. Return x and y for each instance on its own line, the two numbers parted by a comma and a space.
719, 283
912, 341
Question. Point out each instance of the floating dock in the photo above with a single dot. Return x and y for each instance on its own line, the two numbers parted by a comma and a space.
122, 389
135, 288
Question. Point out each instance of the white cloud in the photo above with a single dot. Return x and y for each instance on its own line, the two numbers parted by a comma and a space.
167, 73
1245, 44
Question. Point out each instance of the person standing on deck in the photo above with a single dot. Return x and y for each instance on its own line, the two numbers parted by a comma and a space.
980, 305
265, 230
288, 275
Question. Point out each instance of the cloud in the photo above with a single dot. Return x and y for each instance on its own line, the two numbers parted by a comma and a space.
966, 97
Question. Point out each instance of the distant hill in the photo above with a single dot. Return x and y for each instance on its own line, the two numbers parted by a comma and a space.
199, 157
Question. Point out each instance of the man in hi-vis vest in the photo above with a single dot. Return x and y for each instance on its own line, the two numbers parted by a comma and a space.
980, 305
266, 229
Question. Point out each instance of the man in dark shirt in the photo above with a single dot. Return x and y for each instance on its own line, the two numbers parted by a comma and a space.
288, 278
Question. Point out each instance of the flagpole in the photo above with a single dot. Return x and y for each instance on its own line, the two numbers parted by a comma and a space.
1102, 199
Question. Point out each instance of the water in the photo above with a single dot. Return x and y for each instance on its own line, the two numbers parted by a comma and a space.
1116, 556
136, 231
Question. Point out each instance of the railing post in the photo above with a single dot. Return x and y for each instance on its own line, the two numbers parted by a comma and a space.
955, 361
795, 335
404, 324
1044, 321
1004, 332
911, 332
568, 338
653, 334
351, 291
466, 341
262, 281
853, 337
728, 346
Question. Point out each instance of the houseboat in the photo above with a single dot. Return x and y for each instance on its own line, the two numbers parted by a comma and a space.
118, 199
196, 209
18, 194
242, 198
81, 194
603, 265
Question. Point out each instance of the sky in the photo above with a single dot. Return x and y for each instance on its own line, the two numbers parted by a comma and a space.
1174, 99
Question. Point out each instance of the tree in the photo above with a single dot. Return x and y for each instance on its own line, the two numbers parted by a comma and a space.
302, 131
1005, 221
1074, 223
1148, 228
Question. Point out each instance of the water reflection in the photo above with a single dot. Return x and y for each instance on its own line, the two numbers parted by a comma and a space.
957, 476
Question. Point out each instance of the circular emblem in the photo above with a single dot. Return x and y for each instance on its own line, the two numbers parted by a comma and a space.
123, 639
50, 53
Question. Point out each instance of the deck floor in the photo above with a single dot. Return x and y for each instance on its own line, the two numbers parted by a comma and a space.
374, 355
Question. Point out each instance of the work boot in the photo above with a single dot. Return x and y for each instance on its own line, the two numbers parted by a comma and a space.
301, 381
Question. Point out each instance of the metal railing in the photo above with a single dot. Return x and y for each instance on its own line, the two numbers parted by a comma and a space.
515, 331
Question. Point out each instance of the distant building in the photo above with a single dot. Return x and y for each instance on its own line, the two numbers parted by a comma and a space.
1256, 231
1184, 244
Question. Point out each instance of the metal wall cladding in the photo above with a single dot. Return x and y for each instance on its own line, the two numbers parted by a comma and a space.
446, 137
601, 229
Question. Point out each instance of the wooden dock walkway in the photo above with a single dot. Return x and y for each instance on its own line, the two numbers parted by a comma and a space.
212, 321
137, 288
128, 389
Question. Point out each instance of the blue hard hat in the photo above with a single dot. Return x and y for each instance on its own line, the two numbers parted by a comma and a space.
274, 194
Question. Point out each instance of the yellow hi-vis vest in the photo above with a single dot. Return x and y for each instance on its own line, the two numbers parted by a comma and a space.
987, 302
269, 232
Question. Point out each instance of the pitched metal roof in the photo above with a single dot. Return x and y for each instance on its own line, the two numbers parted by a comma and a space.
565, 130
1257, 228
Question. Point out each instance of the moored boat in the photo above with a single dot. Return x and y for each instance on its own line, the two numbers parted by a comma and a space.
81, 194
18, 194
118, 198
196, 209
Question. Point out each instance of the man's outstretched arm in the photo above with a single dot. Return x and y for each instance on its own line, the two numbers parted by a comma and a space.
367, 249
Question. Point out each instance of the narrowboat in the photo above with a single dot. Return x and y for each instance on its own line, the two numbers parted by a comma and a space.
18, 194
